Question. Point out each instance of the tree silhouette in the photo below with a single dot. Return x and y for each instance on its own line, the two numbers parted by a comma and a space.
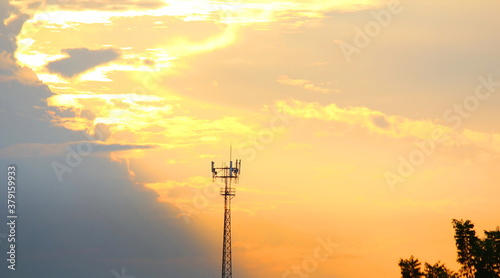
480, 258
467, 247
410, 268
492, 251
438, 271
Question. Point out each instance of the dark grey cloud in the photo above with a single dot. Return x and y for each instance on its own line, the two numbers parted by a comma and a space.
380, 121
96, 221
24, 118
81, 60
45, 150
101, 147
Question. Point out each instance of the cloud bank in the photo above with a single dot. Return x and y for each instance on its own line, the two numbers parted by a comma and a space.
96, 222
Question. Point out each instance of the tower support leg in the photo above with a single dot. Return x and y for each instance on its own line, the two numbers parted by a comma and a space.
226, 248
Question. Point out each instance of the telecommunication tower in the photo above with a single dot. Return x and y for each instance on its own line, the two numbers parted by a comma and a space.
228, 174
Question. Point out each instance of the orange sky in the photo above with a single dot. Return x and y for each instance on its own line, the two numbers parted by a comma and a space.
374, 150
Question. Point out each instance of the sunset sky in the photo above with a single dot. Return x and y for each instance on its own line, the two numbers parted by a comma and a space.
365, 124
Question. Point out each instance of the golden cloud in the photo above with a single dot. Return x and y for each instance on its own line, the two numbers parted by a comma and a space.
391, 125
302, 83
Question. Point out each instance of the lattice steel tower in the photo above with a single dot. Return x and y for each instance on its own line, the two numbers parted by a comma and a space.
228, 174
